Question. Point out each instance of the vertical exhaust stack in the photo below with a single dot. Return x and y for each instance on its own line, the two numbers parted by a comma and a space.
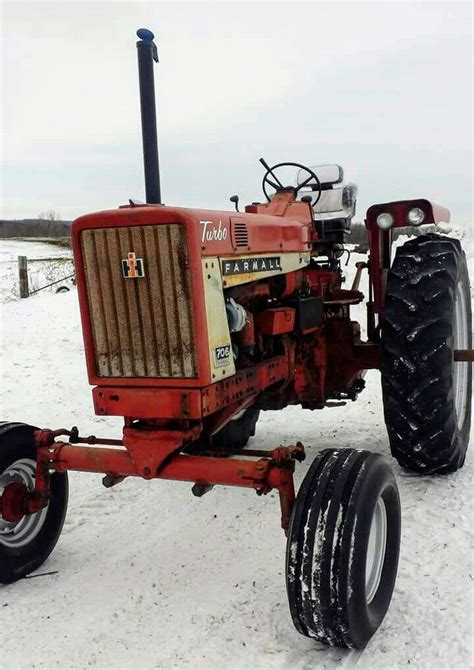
147, 53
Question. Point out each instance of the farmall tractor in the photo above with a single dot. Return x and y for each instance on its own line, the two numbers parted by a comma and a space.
196, 320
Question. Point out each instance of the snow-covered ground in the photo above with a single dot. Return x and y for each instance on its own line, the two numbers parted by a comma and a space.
40, 272
147, 576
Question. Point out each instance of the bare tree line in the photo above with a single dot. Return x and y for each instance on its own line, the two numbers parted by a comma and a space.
359, 237
48, 224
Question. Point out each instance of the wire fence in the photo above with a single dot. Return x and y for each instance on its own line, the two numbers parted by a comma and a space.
53, 283
45, 274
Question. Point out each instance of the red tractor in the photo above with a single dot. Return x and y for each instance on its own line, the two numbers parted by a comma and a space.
196, 320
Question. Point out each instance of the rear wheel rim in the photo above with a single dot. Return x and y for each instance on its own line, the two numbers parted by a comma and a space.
15, 535
460, 369
376, 550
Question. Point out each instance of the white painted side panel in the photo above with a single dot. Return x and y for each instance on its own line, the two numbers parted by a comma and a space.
220, 347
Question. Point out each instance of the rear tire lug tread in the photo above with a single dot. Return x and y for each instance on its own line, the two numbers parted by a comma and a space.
417, 369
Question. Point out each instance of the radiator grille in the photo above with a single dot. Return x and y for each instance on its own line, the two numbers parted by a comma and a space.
241, 234
141, 327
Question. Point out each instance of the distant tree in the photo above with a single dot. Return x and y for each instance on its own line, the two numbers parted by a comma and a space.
358, 234
49, 215
48, 223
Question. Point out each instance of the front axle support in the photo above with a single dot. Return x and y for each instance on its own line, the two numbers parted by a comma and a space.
154, 454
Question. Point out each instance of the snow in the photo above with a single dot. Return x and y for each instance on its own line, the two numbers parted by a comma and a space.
147, 576
40, 273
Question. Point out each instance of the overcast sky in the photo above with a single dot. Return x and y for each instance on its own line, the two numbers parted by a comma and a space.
384, 89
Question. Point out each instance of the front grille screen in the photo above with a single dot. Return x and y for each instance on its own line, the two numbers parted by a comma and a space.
142, 325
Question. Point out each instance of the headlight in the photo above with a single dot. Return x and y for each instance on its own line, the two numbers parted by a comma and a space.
416, 216
385, 220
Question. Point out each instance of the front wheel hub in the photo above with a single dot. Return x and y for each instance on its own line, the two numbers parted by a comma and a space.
20, 520
13, 502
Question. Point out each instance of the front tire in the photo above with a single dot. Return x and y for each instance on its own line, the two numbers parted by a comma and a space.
26, 544
427, 315
343, 546
237, 432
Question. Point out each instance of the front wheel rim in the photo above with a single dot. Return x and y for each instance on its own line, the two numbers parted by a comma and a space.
15, 535
376, 550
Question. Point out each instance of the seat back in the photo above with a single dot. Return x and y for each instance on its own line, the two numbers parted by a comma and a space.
337, 199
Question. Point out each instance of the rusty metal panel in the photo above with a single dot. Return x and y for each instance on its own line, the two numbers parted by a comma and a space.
141, 327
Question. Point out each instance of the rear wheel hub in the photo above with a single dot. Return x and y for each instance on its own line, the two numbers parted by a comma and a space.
460, 369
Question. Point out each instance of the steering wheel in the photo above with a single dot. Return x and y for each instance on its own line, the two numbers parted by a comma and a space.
279, 186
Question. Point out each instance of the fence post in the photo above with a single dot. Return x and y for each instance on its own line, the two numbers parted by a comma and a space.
23, 276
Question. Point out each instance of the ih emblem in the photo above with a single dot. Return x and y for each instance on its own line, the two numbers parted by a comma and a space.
132, 266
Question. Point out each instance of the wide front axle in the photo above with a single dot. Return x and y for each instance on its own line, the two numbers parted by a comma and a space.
153, 455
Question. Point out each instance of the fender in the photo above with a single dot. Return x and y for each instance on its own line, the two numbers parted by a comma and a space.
380, 241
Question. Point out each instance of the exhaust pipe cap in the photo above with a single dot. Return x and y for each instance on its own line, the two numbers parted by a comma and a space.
145, 34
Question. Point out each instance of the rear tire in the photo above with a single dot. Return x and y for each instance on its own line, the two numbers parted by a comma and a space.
25, 545
343, 546
427, 315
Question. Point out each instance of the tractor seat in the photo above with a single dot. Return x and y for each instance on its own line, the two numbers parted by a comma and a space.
336, 205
